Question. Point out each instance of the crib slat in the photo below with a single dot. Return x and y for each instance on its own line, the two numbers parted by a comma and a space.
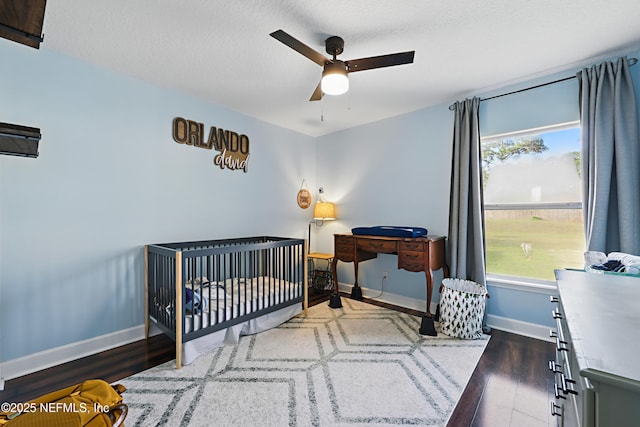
146, 291
178, 310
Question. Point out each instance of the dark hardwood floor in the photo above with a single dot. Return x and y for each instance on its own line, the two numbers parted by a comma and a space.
511, 386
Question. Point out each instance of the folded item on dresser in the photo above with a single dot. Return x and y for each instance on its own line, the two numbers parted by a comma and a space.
612, 265
626, 259
616, 262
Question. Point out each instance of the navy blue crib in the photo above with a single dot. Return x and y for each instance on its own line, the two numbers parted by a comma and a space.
193, 289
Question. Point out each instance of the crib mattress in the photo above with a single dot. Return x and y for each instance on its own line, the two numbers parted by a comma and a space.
238, 297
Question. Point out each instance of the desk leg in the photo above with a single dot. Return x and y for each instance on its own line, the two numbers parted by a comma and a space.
356, 291
334, 301
429, 276
427, 327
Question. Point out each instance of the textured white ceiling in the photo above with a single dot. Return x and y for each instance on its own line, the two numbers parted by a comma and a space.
221, 51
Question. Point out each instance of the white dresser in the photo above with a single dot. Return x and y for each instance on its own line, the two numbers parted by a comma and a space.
597, 366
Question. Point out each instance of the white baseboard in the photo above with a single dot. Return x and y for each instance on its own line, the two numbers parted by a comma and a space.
390, 298
532, 330
519, 327
56, 356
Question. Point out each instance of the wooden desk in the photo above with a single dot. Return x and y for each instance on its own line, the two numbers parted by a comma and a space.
414, 254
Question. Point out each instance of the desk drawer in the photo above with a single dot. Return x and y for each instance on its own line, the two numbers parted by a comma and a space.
344, 251
412, 246
345, 248
411, 260
378, 245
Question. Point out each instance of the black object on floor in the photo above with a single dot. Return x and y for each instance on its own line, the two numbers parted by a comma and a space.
427, 327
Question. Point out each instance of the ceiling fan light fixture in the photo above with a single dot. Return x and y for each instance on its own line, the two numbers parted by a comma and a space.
334, 78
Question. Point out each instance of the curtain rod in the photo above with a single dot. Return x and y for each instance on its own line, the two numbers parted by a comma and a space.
632, 61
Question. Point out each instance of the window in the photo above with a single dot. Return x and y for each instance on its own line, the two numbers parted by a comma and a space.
532, 201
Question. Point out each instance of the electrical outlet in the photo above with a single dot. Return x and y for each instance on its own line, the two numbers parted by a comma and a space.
385, 275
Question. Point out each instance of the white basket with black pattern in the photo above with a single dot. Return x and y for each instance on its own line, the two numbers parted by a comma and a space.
462, 304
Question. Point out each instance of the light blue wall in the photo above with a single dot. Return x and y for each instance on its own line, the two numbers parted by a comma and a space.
391, 172
110, 179
397, 172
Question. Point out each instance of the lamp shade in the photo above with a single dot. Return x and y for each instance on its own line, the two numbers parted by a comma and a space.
334, 78
324, 211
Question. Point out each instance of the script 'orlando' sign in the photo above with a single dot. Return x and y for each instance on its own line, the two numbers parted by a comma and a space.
233, 148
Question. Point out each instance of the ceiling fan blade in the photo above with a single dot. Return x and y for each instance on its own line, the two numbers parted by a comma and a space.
380, 61
299, 47
317, 94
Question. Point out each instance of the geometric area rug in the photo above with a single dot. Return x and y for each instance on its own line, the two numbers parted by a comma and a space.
354, 366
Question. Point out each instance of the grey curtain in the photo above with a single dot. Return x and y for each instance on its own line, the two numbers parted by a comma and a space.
466, 221
610, 158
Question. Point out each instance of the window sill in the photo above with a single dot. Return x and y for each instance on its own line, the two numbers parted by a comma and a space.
523, 284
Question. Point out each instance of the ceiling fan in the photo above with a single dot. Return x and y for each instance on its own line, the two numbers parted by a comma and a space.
334, 75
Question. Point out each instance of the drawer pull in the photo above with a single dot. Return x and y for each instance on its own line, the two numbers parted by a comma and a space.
556, 314
553, 409
560, 345
554, 367
556, 391
411, 266
565, 388
553, 333
553, 298
413, 246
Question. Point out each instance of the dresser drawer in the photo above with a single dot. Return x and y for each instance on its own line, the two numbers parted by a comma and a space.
411, 246
378, 246
573, 393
